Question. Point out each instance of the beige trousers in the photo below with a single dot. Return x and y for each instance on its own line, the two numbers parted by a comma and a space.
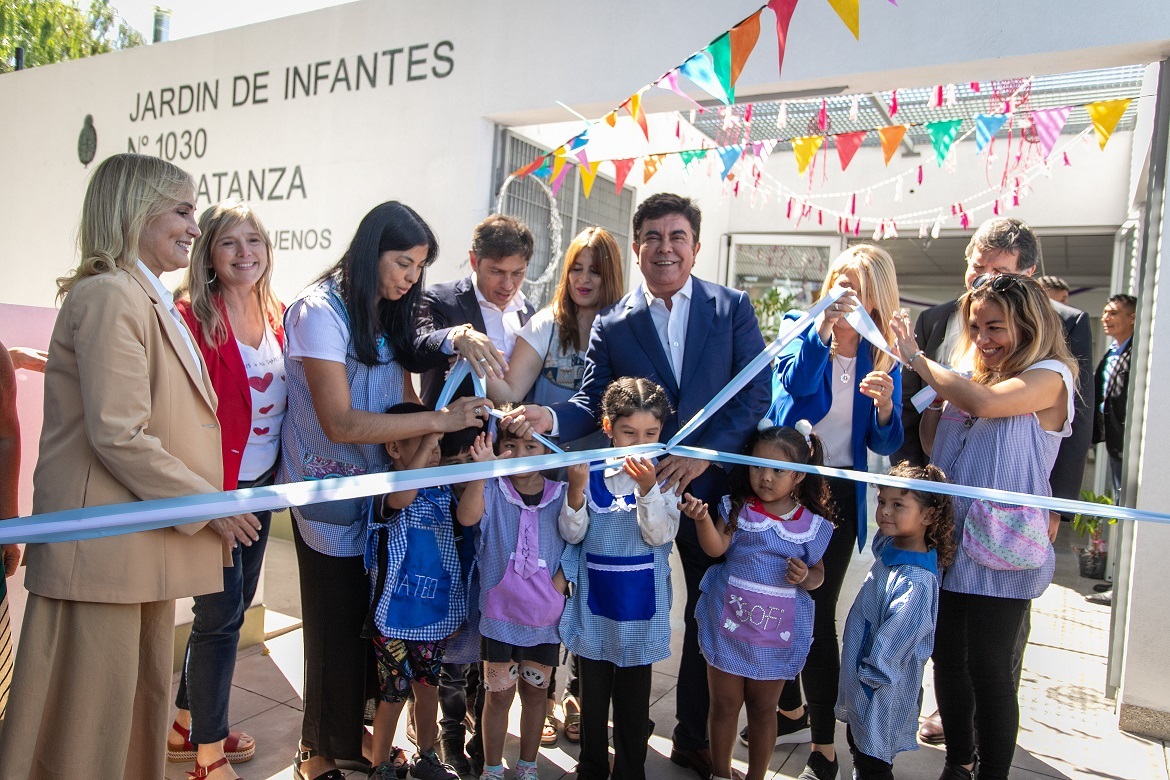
91, 691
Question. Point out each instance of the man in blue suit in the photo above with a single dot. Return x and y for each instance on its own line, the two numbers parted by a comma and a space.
691, 337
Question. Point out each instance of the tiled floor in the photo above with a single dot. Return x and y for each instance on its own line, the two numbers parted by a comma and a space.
1068, 729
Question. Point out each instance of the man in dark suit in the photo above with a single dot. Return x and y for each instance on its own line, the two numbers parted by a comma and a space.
489, 300
1112, 383
1004, 245
691, 337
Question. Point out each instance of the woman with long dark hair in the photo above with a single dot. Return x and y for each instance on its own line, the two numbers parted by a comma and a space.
350, 343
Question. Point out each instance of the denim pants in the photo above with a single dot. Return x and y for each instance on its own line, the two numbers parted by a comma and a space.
206, 683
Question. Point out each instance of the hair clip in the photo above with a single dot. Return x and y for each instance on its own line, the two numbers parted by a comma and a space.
805, 429
764, 424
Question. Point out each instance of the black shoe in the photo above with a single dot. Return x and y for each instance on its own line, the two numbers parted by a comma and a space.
451, 753
475, 754
957, 772
819, 768
789, 731
429, 767
698, 760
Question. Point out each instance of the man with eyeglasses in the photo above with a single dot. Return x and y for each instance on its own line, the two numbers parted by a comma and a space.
1004, 245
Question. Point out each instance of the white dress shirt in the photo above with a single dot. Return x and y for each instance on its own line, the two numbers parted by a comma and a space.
657, 512
671, 323
501, 325
168, 300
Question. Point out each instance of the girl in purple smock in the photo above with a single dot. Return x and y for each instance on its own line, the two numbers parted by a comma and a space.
755, 614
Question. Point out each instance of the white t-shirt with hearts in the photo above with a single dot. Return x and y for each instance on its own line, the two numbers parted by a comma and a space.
265, 369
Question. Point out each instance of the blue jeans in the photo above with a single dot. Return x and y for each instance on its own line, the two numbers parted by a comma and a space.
206, 683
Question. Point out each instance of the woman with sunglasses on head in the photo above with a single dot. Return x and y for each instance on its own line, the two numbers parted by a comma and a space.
1001, 429
851, 392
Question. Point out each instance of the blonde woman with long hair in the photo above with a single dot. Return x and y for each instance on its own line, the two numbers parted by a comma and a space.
228, 303
129, 416
1002, 428
851, 392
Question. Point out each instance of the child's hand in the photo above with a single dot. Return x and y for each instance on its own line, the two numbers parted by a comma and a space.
643, 472
481, 448
578, 476
694, 508
797, 571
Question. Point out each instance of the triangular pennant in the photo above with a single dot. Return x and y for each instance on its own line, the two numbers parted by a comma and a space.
847, 146
588, 173
579, 140
1049, 123
720, 51
545, 168
520, 173
698, 69
805, 150
650, 165
730, 156
850, 13
1105, 115
783, 10
691, 155
558, 162
559, 179
891, 136
986, 126
621, 169
634, 106
611, 118
743, 40
671, 80
942, 135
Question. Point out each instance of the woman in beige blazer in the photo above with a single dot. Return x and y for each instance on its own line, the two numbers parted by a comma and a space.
129, 416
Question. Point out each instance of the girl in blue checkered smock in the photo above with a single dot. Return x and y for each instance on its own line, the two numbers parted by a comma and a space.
1001, 428
890, 630
521, 596
620, 528
755, 615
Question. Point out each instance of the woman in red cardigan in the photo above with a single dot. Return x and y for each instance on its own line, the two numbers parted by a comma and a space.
227, 301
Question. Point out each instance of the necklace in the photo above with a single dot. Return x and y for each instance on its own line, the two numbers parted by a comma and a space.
846, 367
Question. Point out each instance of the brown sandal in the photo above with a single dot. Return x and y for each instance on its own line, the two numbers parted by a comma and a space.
231, 747
204, 771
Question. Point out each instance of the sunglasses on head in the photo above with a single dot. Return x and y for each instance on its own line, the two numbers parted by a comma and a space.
999, 282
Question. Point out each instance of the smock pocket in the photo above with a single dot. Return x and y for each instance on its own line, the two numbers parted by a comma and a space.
621, 587
760, 615
420, 592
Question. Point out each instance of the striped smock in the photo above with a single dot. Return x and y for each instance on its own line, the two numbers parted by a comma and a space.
1008, 453
415, 576
752, 623
888, 637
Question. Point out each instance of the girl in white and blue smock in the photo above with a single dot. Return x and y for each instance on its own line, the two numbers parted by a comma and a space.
521, 596
890, 630
620, 527
755, 614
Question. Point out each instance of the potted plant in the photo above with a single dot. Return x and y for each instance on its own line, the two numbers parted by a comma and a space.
1091, 527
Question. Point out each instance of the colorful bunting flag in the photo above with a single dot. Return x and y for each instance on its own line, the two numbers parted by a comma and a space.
671, 79
559, 178
730, 156
720, 52
942, 135
650, 165
545, 167
783, 10
611, 118
850, 13
893, 102
691, 155
847, 146
579, 140
891, 136
986, 126
621, 169
698, 69
743, 40
634, 106
558, 162
1105, 115
531, 167
1049, 123
588, 171
805, 149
